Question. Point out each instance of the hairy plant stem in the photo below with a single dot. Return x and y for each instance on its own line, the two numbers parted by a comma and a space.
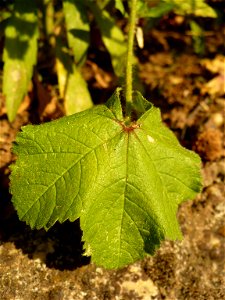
130, 46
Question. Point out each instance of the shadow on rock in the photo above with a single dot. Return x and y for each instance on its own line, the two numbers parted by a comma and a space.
60, 248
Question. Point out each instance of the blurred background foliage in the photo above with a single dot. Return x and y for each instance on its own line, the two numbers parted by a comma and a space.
64, 31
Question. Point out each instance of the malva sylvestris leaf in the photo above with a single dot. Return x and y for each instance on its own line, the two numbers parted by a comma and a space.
125, 182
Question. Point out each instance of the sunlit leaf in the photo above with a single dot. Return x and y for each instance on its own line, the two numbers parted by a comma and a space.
77, 28
20, 54
112, 37
159, 8
125, 182
72, 86
196, 7
119, 5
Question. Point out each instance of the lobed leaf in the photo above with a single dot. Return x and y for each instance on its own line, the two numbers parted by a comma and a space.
20, 54
125, 182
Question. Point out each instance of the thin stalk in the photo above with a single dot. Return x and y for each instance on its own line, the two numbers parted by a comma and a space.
130, 46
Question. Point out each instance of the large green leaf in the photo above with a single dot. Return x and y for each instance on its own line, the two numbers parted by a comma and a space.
77, 28
125, 182
20, 54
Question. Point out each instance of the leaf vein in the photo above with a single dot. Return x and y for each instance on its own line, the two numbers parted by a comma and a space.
66, 170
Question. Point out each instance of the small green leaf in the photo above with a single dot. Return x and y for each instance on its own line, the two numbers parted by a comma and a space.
77, 28
124, 182
72, 86
112, 37
119, 5
198, 37
141, 104
115, 106
20, 54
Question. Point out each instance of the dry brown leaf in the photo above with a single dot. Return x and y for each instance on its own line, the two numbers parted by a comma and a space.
25, 104
215, 86
103, 78
216, 65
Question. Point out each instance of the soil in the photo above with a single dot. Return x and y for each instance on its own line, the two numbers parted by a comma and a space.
189, 89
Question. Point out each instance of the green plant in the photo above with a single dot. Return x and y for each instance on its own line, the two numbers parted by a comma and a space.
123, 176
20, 54
27, 23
